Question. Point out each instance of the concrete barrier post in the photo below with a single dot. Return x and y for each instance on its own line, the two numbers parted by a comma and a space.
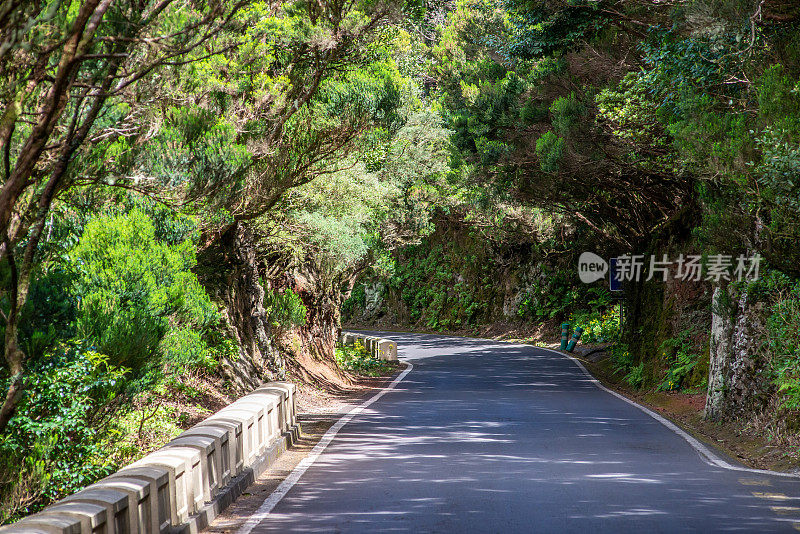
181, 499
47, 522
209, 465
93, 517
141, 500
247, 437
158, 481
120, 516
225, 453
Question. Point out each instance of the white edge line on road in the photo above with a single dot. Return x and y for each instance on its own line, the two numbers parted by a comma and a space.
705, 453
280, 492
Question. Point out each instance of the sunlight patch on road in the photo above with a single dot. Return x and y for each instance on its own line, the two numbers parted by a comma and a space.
754, 482
771, 496
624, 477
785, 510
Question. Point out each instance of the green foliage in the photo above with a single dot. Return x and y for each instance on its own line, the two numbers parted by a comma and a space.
779, 171
635, 376
195, 147
284, 308
783, 327
550, 296
624, 363
355, 359
443, 285
549, 150
631, 113
60, 427
185, 348
779, 99
49, 314
565, 111
356, 301
541, 29
144, 428
681, 359
533, 111
598, 326
139, 300
490, 151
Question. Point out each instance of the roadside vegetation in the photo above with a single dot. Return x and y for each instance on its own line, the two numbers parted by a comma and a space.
357, 359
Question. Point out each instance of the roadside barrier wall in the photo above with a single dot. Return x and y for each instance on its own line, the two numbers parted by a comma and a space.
185, 484
382, 349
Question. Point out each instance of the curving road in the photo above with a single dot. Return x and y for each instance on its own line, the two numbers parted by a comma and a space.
493, 437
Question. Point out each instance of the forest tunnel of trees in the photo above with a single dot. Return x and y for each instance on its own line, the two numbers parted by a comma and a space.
196, 194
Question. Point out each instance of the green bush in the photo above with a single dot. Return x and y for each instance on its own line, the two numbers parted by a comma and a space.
554, 295
565, 111
598, 326
783, 327
624, 363
533, 111
49, 314
284, 308
185, 348
58, 435
681, 358
356, 359
490, 151
549, 149
138, 297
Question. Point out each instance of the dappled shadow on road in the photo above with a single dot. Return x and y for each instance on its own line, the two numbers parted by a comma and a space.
517, 439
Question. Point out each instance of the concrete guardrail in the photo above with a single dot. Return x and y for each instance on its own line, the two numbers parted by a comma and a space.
382, 349
184, 485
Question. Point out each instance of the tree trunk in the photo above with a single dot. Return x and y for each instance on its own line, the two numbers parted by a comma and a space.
738, 382
310, 349
719, 353
15, 358
228, 267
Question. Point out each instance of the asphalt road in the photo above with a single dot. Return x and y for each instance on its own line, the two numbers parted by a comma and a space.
493, 437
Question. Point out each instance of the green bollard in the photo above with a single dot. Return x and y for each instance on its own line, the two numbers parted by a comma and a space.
575, 337
564, 335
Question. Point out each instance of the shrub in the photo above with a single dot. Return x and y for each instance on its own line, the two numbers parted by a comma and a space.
784, 338
184, 348
58, 433
49, 313
623, 362
284, 308
533, 111
681, 358
598, 326
134, 290
549, 149
565, 113
357, 360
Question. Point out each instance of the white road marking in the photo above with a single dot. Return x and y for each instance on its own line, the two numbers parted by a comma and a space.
280, 492
705, 453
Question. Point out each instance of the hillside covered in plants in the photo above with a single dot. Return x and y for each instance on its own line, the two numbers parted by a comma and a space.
196, 195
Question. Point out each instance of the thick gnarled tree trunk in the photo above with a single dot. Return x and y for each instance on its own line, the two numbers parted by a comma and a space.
229, 269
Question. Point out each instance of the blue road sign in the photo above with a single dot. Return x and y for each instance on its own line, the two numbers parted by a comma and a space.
613, 281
